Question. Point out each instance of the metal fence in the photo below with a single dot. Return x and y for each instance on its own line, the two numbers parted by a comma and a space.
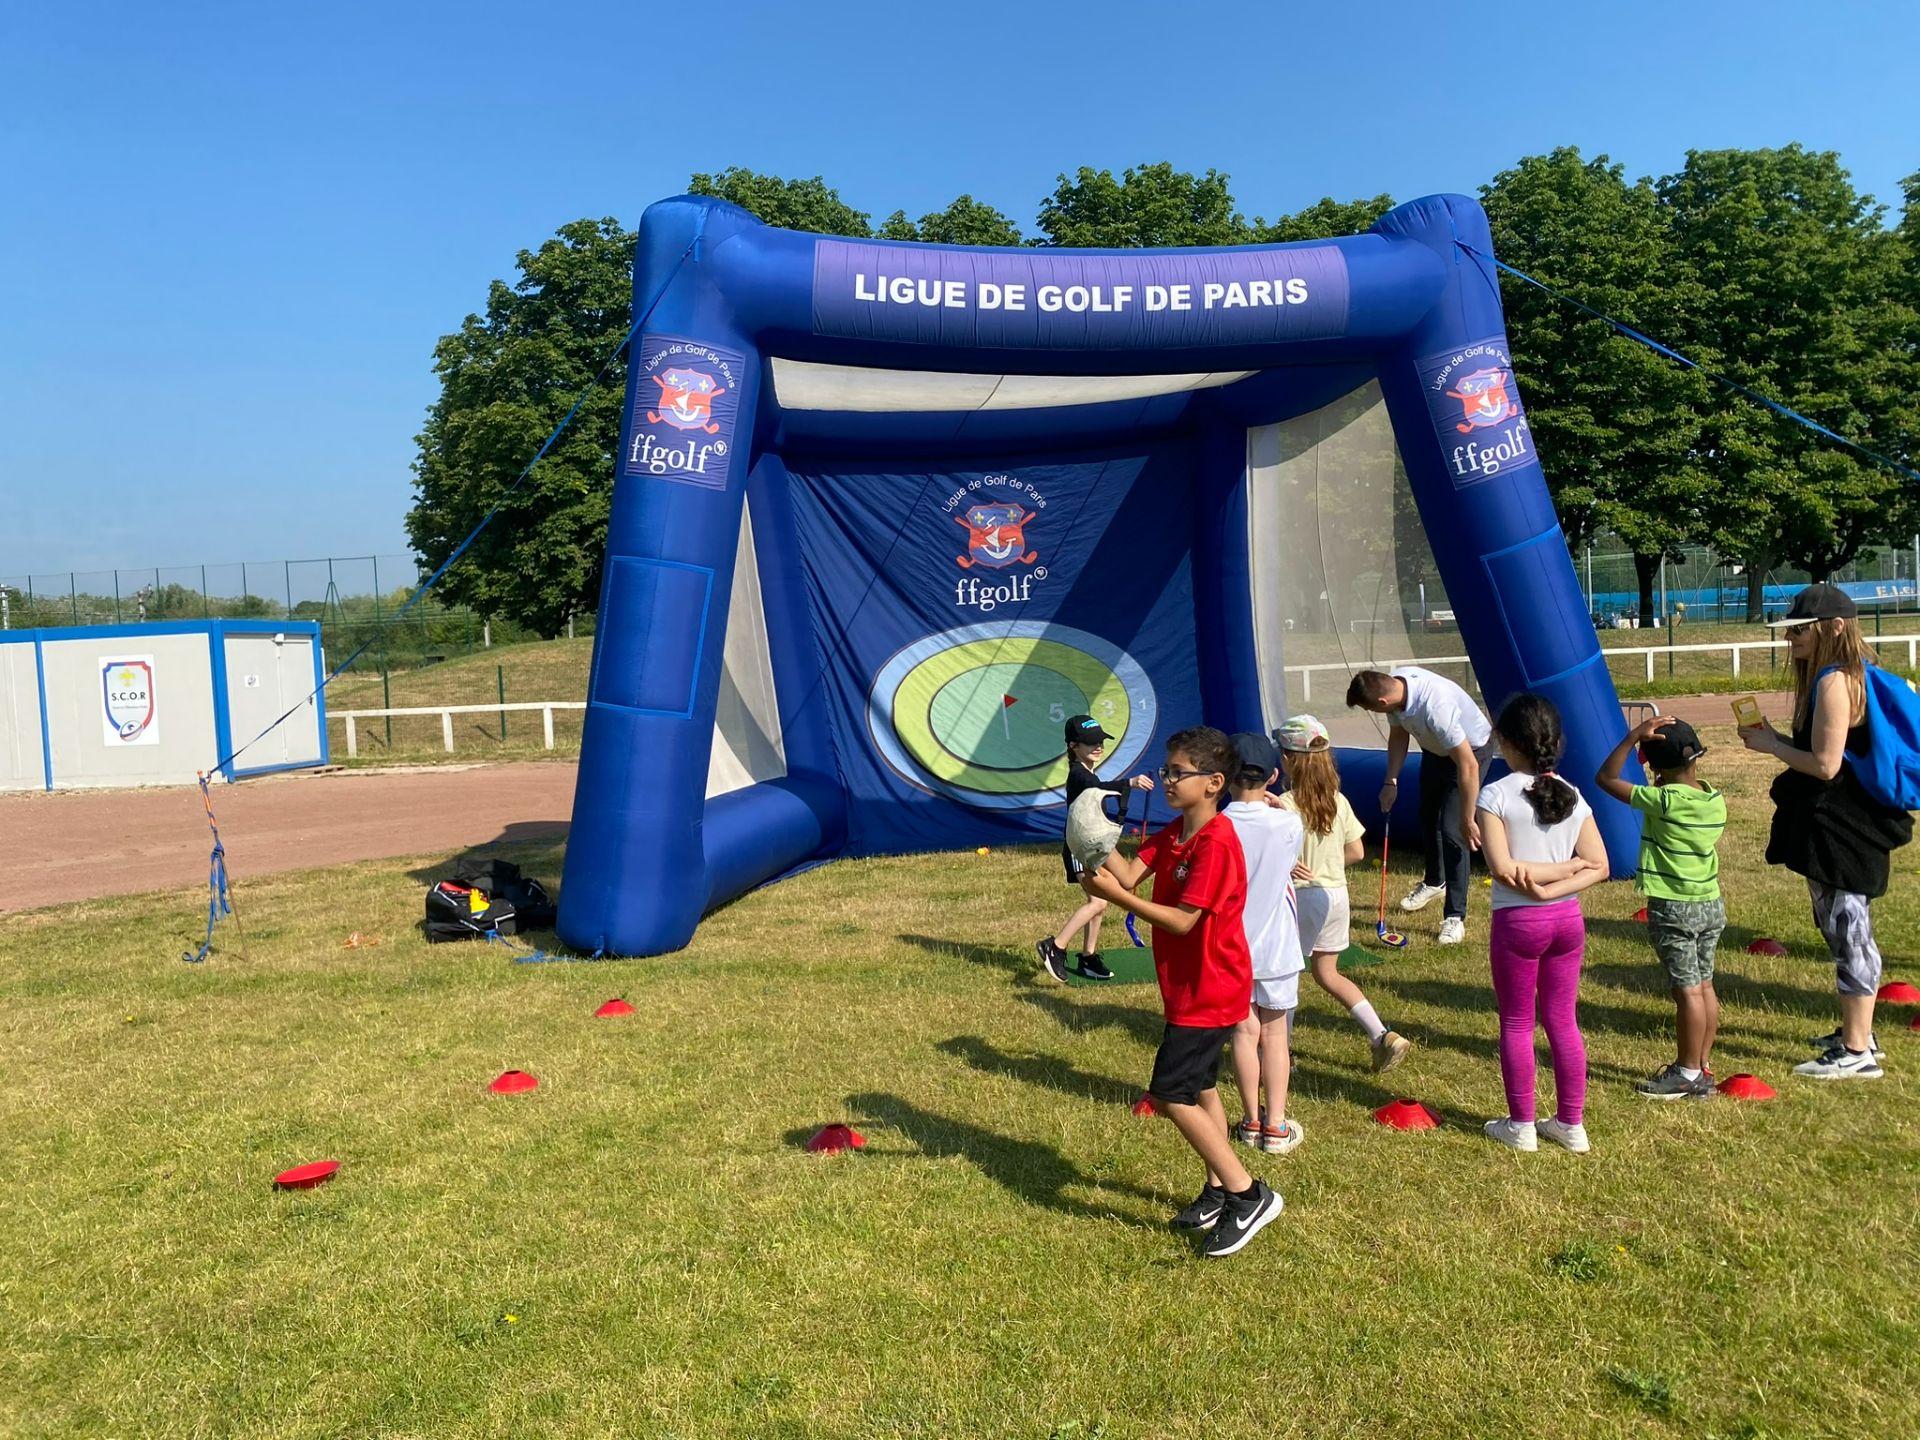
354, 598
1705, 585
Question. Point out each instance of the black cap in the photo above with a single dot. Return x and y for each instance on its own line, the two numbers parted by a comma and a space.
1255, 752
1674, 746
1085, 730
1819, 602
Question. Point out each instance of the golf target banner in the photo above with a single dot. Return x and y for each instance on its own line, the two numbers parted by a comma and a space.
972, 611
130, 713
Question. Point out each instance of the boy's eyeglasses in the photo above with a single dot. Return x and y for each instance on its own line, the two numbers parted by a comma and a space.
1171, 776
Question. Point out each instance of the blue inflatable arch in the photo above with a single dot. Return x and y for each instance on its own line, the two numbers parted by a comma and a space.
886, 513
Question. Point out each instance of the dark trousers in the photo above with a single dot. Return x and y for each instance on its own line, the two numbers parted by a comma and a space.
1447, 853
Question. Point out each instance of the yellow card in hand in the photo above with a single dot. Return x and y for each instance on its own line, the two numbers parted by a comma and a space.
1746, 712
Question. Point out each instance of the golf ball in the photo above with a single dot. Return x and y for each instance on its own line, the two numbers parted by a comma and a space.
981, 851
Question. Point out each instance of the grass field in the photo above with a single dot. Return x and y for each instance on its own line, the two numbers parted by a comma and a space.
641, 1246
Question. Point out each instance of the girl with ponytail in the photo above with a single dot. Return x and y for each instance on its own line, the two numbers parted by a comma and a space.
1543, 848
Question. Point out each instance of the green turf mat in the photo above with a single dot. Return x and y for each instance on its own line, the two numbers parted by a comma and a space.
1130, 965
1134, 966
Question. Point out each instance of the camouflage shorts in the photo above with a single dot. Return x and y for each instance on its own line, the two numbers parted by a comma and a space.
1685, 933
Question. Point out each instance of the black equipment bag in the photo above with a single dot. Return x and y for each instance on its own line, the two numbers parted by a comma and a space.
486, 895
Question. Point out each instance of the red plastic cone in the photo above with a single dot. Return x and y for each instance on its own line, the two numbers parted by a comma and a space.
305, 1177
1146, 1106
612, 1008
1899, 992
832, 1139
1746, 1087
1766, 946
513, 1082
1641, 913
1406, 1114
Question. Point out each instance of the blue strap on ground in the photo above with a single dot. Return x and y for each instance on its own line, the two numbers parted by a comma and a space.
218, 901
1674, 355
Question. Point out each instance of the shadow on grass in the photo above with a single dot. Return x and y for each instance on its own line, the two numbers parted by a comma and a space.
1021, 964
1047, 1070
1142, 1024
1037, 1173
1813, 1001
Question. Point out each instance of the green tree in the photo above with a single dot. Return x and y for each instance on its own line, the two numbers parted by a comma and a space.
1798, 296
1151, 205
1326, 219
506, 378
966, 221
811, 205
1617, 425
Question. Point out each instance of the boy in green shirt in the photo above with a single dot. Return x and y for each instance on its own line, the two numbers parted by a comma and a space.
1680, 876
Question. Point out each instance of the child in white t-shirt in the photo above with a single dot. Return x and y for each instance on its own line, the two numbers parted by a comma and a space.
1270, 839
1334, 839
1543, 848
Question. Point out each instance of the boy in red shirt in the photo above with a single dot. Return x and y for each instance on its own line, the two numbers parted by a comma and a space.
1206, 975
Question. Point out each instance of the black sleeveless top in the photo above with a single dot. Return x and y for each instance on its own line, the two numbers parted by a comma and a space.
1832, 831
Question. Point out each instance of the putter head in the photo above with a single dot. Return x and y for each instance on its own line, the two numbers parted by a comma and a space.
1392, 939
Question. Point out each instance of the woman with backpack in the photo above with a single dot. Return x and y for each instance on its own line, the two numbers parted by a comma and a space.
1826, 825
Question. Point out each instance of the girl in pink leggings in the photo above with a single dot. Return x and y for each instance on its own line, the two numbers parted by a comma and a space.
1543, 848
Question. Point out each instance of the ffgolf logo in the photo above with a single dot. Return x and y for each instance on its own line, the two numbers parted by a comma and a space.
1470, 392
126, 686
685, 400
996, 540
996, 535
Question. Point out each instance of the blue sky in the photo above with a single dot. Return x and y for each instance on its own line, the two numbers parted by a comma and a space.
232, 233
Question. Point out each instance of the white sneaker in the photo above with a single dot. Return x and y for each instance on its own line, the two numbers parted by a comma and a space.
1567, 1137
1840, 1063
1422, 895
1514, 1134
1453, 930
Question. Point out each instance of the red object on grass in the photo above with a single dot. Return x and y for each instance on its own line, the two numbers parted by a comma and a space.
613, 1007
513, 1082
1766, 946
1146, 1105
1914, 1024
1641, 913
1406, 1114
832, 1139
1746, 1087
1900, 992
305, 1177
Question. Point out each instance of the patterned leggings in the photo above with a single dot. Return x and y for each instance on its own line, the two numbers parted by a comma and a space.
1848, 930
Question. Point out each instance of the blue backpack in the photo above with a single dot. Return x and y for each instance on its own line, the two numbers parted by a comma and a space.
1890, 770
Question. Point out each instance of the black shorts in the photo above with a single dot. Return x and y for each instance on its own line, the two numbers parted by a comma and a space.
1074, 868
1188, 1062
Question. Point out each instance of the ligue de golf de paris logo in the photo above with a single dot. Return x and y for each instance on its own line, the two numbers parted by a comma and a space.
996, 535
686, 400
127, 686
1483, 398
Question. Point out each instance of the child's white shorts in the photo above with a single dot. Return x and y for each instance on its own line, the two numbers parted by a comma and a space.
1324, 919
1281, 994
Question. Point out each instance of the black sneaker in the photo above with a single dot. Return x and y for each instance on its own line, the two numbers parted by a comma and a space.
1241, 1219
1053, 959
1092, 967
1204, 1212
1670, 1084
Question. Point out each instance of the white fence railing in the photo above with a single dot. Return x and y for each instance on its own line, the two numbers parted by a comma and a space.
446, 714
1879, 642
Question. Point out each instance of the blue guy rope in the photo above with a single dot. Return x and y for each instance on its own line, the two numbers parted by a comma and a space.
219, 896
221, 902
1674, 355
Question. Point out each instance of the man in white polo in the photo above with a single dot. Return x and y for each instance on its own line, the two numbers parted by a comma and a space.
1456, 742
